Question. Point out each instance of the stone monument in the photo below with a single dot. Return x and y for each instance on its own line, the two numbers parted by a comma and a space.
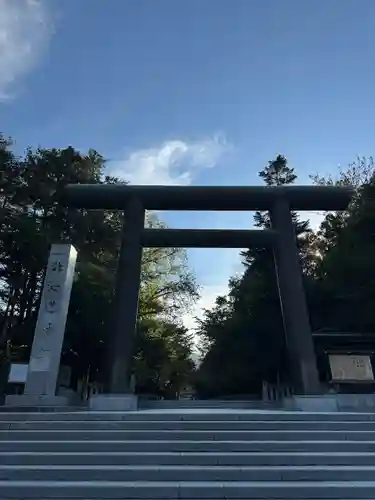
44, 364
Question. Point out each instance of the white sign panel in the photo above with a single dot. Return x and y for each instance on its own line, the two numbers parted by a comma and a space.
18, 373
351, 367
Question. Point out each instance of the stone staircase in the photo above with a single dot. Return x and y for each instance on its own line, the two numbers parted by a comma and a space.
182, 454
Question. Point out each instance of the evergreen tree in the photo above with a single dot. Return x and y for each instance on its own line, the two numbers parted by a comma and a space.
31, 219
245, 330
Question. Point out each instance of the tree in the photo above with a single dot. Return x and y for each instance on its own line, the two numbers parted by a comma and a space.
346, 272
258, 294
32, 219
244, 332
163, 363
168, 287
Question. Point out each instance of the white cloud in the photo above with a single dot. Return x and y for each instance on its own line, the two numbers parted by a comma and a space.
174, 162
25, 29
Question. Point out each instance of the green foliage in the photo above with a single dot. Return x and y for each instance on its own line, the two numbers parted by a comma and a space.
346, 272
163, 359
31, 219
242, 338
243, 335
245, 329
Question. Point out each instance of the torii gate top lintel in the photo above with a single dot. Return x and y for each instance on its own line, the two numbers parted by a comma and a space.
225, 198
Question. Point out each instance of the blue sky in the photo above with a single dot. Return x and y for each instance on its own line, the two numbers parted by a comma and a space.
192, 91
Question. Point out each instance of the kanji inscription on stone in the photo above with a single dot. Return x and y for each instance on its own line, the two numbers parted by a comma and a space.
49, 333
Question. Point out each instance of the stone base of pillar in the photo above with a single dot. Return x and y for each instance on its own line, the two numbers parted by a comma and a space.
113, 402
332, 403
36, 401
322, 403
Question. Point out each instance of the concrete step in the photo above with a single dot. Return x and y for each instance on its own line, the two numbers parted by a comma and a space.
181, 404
195, 459
187, 455
192, 425
184, 473
98, 446
42, 409
277, 490
201, 416
182, 459
185, 435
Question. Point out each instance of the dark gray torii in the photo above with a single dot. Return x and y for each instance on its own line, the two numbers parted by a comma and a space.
279, 201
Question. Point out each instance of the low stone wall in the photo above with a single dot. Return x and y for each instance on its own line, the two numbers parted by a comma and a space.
332, 402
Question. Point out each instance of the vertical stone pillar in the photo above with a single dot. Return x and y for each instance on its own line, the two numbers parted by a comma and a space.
125, 307
293, 301
44, 364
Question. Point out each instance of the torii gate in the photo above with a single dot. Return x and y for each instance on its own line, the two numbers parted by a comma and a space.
279, 201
